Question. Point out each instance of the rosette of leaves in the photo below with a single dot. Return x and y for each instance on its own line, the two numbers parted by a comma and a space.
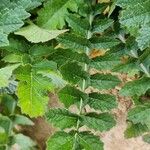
10, 120
89, 30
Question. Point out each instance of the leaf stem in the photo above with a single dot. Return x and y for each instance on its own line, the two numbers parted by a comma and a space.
86, 68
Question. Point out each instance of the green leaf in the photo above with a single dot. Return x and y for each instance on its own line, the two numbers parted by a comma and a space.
5, 74
72, 72
61, 56
6, 124
105, 62
29, 4
21, 120
24, 142
12, 58
3, 39
9, 104
100, 122
15, 12
84, 140
53, 15
103, 42
70, 95
89, 141
102, 102
136, 13
136, 87
17, 46
61, 118
79, 26
32, 91
129, 67
35, 34
103, 81
134, 130
3, 136
56, 78
140, 114
75, 42
41, 50
101, 25
125, 3
45, 65
144, 37
60, 141
146, 138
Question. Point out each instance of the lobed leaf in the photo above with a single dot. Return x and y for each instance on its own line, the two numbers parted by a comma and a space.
32, 91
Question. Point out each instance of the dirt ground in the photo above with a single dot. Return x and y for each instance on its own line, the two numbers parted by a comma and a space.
113, 139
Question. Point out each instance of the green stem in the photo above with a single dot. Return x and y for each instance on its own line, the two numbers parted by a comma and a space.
86, 68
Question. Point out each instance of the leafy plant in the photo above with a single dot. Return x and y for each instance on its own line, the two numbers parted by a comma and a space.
10, 120
77, 49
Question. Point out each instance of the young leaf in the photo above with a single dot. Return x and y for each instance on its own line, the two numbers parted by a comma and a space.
101, 122
137, 87
53, 15
102, 102
61, 118
32, 90
5, 74
103, 81
73, 73
35, 34
70, 95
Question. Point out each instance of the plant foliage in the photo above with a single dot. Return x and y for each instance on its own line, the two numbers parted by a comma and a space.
76, 49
